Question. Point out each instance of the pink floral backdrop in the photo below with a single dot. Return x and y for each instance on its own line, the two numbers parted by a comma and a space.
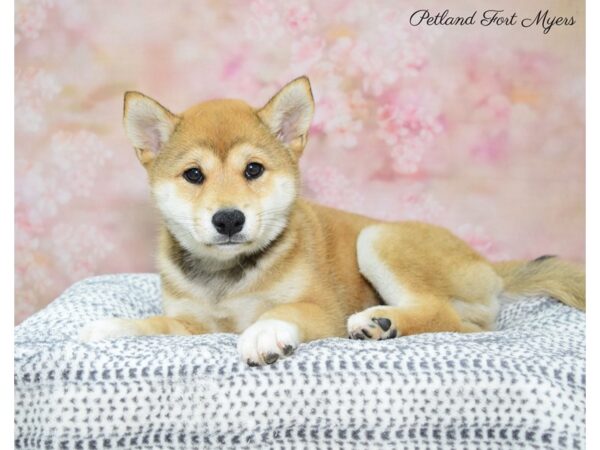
480, 129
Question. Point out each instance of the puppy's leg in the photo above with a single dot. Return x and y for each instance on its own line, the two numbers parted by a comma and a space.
425, 315
112, 328
278, 332
430, 280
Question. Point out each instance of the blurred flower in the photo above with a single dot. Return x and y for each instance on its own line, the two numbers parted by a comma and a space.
475, 236
306, 51
78, 248
69, 169
417, 205
30, 16
331, 187
408, 129
300, 18
34, 88
265, 23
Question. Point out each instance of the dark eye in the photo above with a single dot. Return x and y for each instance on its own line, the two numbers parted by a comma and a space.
193, 175
254, 170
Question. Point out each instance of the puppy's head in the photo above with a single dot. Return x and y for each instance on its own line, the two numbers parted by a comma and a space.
223, 174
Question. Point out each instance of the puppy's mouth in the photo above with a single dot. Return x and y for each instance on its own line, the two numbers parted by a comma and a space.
231, 242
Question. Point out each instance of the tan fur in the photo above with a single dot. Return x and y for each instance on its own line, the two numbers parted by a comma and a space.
302, 271
311, 249
562, 280
433, 270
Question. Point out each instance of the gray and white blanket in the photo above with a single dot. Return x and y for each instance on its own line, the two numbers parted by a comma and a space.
520, 387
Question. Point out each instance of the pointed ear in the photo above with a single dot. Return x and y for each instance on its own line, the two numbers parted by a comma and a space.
148, 125
289, 113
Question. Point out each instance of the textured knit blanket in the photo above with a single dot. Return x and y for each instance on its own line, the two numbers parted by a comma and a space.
522, 386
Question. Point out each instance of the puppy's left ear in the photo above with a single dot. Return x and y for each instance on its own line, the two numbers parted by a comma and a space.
289, 114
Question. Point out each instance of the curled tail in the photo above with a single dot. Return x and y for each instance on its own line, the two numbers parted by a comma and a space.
547, 276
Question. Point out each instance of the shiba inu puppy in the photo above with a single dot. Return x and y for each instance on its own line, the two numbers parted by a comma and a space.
241, 252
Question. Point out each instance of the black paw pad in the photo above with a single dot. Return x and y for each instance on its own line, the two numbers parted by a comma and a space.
392, 334
252, 363
288, 350
384, 323
270, 358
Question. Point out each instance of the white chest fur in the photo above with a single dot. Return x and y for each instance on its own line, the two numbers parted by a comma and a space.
238, 304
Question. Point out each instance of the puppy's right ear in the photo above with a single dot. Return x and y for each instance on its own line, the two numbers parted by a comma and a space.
148, 125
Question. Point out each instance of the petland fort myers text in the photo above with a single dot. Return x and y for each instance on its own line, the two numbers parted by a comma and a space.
544, 20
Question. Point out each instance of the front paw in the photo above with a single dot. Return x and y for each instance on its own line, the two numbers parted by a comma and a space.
372, 323
110, 328
266, 341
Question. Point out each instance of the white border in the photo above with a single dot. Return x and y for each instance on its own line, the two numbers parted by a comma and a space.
7, 269
7, 235
592, 222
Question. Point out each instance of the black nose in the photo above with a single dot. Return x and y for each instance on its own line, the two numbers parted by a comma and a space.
229, 221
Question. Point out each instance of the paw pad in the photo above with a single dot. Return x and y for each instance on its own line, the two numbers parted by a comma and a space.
268, 341
288, 350
383, 323
270, 358
362, 326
